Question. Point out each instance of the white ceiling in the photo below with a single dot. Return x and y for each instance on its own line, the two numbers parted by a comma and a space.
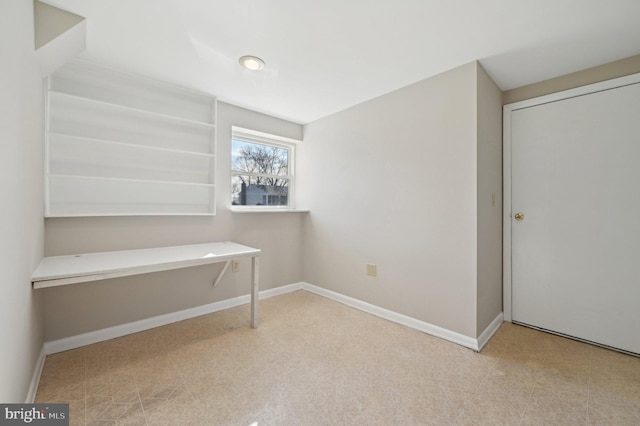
325, 56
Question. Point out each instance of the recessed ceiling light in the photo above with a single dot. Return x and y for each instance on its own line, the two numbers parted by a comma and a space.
252, 63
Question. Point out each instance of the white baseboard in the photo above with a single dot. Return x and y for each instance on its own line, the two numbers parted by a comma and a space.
491, 329
35, 378
92, 337
89, 338
434, 330
284, 289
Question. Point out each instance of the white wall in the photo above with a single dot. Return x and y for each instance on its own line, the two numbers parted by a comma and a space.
393, 181
79, 308
21, 189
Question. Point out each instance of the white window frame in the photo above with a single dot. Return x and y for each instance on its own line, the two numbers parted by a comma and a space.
253, 136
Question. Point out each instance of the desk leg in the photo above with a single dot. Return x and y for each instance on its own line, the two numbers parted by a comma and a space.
255, 273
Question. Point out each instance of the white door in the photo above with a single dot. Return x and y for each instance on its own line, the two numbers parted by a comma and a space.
575, 253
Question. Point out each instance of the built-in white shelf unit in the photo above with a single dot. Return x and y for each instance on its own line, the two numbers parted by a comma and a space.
119, 144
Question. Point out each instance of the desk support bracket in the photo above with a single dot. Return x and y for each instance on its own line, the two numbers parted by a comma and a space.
221, 274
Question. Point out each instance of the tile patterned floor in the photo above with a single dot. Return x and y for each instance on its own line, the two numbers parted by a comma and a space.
313, 361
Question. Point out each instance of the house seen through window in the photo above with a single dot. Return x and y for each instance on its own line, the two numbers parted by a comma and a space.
261, 171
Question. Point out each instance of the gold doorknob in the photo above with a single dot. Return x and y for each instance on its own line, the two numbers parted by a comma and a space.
519, 216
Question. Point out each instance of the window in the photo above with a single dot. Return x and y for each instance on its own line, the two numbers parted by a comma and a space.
261, 170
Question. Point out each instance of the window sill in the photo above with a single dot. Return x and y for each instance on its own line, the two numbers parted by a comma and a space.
266, 210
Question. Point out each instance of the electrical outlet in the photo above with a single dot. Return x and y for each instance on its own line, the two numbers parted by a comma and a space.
235, 266
372, 270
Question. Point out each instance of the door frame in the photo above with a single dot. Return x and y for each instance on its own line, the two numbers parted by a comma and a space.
506, 171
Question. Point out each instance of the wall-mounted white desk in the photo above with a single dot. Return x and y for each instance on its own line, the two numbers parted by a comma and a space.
62, 270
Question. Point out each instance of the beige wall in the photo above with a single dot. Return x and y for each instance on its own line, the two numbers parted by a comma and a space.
79, 308
21, 189
404, 181
394, 182
489, 244
603, 72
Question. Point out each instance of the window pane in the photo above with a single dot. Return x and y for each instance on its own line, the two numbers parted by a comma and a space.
259, 191
253, 157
